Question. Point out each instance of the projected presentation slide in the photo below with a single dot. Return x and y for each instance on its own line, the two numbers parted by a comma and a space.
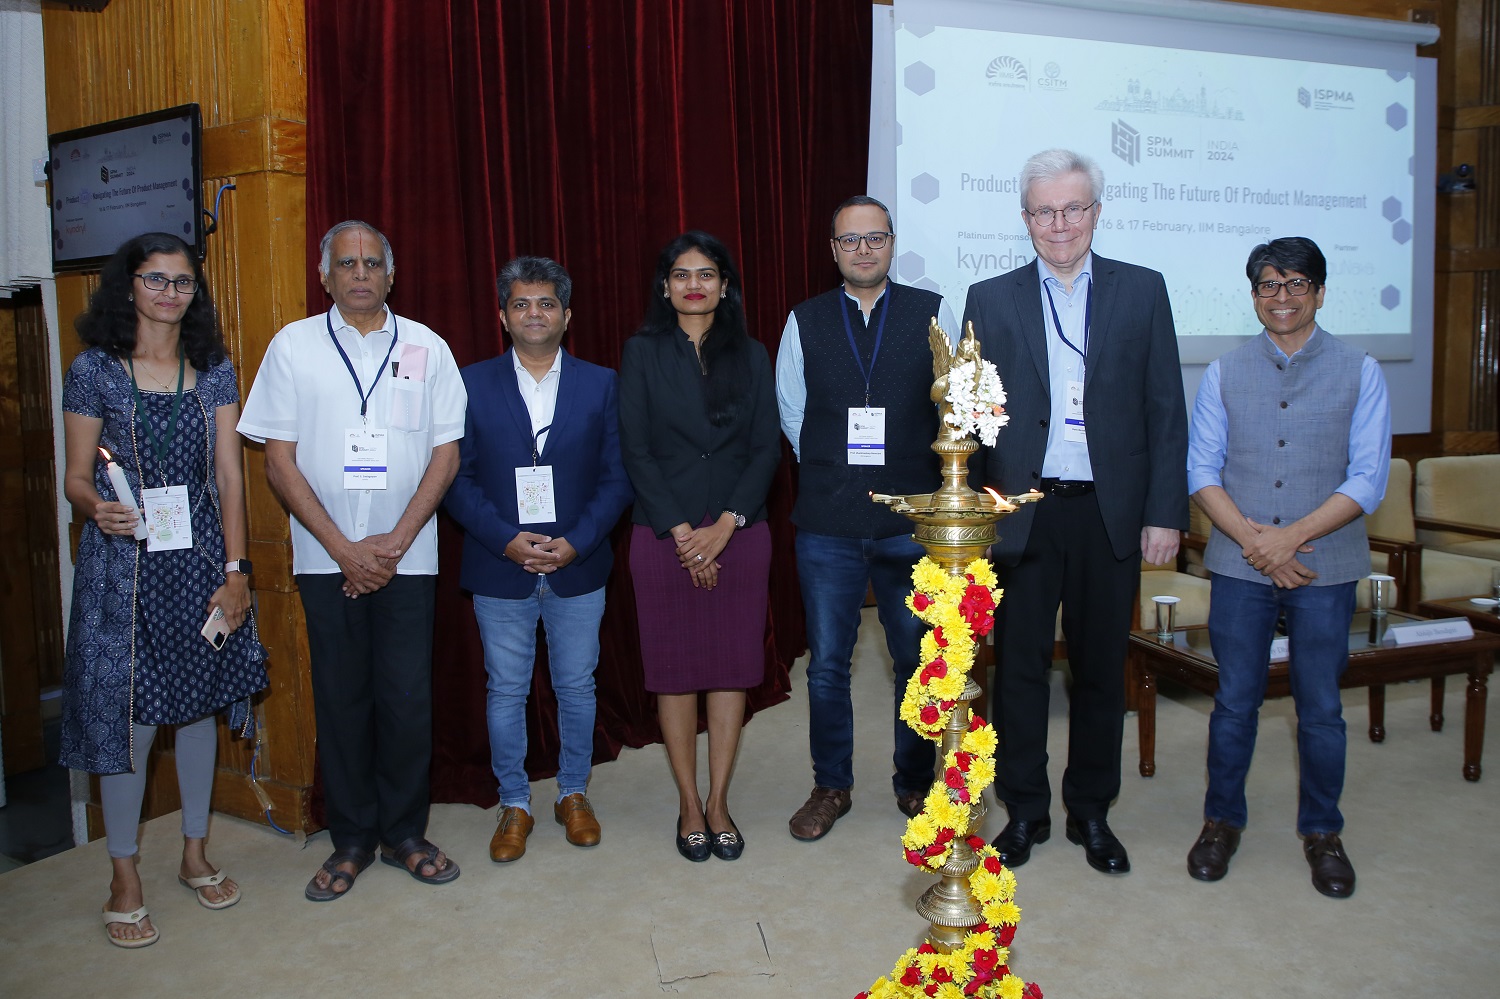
1204, 154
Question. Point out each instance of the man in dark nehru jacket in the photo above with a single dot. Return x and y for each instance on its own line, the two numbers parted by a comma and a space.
1088, 354
852, 381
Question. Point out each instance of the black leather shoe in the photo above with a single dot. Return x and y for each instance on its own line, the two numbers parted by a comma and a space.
1332, 874
1101, 848
1208, 860
693, 846
1017, 838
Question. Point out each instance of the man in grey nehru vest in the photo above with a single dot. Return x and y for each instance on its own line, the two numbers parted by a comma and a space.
852, 380
1290, 443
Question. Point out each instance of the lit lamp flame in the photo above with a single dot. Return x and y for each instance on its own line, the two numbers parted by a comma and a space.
999, 500
106, 454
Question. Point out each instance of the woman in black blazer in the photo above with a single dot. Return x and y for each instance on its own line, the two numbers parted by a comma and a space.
699, 430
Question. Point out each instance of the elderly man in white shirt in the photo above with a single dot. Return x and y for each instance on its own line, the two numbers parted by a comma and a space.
361, 412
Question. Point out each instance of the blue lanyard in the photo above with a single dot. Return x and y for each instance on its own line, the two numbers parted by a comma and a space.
885, 308
536, 446
364, 397
1088, 320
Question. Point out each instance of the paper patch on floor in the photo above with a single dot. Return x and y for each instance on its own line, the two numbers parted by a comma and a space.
705, 947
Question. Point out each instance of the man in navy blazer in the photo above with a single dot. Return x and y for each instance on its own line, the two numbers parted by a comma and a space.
540, 485
1088, 354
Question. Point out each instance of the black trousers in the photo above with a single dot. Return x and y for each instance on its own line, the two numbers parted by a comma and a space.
1067, 559
372, 694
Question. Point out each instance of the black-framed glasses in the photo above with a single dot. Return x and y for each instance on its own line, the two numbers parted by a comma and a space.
1073, 214
158, 282
1296, 287
874, 240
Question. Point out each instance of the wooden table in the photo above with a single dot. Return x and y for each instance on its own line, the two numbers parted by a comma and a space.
1188, 660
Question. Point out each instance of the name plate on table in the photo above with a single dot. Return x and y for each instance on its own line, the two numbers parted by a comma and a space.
1281, 649
1454, 629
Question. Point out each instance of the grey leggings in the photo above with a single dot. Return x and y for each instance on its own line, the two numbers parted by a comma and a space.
121, 794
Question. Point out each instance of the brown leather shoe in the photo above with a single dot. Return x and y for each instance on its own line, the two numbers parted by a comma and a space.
910, 802
1332, 874
509, 841
576, 815
1208, 860
824, 807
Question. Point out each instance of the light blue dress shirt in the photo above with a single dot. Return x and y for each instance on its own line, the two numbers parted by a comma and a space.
1065, 459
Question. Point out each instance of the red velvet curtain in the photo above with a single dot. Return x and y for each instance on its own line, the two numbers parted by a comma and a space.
591, 132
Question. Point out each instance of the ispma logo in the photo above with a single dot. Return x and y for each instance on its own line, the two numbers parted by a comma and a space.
1304, 97
1125, 142
1006, 71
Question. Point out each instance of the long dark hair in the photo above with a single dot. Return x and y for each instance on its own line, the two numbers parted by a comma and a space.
725, 348
110, 322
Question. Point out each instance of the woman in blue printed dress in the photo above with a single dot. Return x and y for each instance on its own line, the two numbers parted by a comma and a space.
155, 390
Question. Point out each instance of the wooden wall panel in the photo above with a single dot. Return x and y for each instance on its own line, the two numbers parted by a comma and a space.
244, 63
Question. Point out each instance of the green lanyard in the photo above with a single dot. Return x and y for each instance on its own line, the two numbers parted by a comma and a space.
157, 444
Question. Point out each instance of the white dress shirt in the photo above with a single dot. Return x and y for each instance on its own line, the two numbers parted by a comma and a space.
304, 393
540, 396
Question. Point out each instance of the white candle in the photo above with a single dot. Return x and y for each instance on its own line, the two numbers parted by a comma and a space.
122, 491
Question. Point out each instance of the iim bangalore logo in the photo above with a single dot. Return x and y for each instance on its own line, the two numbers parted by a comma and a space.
1125, 142
1006, 71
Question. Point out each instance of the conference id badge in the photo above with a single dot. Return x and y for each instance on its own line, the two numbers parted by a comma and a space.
535, 500
169, 522
365, 458
1073, 428
866, 435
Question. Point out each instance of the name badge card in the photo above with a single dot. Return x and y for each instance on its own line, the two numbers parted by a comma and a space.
365, 458
1073, 428
1448, 629
535, 501
866, 435
169, 523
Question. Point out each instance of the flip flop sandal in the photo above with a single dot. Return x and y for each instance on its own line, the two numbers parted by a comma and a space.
361, 859
212, 881
132, 918
419, 846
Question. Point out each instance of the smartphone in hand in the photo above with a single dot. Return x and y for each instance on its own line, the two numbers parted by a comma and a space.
215, 630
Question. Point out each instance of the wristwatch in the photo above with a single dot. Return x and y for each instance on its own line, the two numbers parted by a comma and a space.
238, 565
739, 519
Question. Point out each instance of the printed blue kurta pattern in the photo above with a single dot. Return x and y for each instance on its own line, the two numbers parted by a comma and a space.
135, 652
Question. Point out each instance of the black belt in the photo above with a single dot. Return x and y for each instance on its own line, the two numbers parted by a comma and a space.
1065, 488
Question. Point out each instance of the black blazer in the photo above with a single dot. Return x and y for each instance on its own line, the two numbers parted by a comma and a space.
681, 466
1133, 400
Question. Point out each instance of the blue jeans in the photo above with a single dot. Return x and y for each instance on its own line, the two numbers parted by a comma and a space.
1241, 623
508, 629
835, 574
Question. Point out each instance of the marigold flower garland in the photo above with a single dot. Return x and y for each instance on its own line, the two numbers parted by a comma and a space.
958, 609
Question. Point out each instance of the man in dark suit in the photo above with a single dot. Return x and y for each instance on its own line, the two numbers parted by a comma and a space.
540, 485
1088, 354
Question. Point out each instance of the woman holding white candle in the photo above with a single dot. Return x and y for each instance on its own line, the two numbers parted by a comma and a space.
160, 631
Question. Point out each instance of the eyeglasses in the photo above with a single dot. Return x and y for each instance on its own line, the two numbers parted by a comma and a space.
159, 282
1073, 214
874, 240
1296, 287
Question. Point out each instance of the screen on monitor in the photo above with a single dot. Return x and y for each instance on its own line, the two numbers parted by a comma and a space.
118, 179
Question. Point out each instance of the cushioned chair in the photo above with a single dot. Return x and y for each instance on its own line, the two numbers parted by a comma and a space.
1422, 573
1456, 507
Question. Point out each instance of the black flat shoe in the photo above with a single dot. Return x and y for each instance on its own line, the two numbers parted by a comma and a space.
1017, 838
693, 846
727, 845
1101, 848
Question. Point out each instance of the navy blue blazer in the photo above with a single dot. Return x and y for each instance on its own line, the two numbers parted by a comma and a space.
588, 476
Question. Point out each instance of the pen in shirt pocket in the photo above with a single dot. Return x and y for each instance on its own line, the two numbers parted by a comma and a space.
395, 366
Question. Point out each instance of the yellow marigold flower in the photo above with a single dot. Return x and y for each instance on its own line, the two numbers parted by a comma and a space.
982, 772
1008, 881
920, 832
930, 650
986, 887
1002, 913
949, 990
982, 571
945, 813
928, 576
1011, 987
981, 941
980, 742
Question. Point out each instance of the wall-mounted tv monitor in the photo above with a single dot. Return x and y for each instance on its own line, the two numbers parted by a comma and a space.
118, 179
